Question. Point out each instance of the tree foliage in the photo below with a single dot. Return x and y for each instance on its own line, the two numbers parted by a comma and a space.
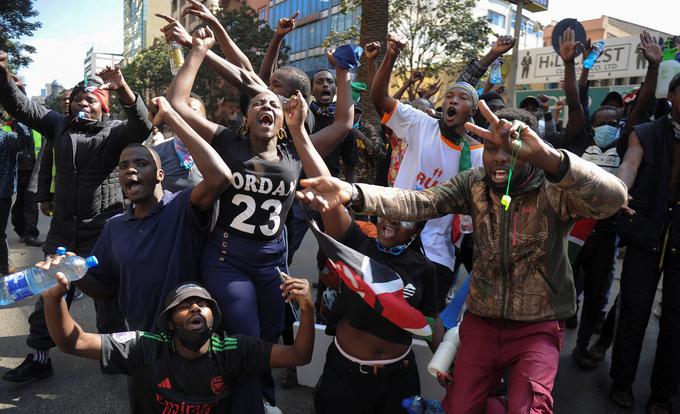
14, 23
439, 34
149, 72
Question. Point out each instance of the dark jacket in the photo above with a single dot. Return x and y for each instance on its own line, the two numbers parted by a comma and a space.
87, 192
520, 270
650, 191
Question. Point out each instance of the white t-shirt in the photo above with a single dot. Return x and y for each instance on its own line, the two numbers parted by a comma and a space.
429, 161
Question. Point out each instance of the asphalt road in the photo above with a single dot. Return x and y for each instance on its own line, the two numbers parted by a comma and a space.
78, 386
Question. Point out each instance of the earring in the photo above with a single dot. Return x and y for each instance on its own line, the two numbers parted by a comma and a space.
281, 135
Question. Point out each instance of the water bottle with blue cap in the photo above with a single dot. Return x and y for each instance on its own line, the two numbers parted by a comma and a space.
33, 281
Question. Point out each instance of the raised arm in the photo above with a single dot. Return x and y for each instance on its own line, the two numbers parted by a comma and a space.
245, 81
569, 48
21, 108
652, 52
180, 89
327, 139
300, 353
229, 48
547, 115
336, 221
415, 78
380, 94
476, 69
371, 52
216, 174
271, 58
138, 127
65, 332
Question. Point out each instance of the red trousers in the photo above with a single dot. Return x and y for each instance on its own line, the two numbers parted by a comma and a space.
529, 350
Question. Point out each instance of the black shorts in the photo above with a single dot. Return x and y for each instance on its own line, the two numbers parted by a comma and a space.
346, 387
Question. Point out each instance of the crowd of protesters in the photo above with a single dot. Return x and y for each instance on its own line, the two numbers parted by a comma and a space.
195, 229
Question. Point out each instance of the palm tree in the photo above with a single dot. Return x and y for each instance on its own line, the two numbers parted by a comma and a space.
374, 19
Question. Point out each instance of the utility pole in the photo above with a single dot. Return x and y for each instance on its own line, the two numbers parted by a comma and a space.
515, 54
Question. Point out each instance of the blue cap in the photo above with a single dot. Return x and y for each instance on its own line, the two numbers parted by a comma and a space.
91, 261
61, 251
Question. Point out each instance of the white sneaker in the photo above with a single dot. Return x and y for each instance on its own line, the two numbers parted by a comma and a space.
271, 409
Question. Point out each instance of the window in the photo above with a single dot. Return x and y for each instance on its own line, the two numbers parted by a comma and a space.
496, 18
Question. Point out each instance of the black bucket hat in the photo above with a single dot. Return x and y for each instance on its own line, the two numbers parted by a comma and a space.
182, 293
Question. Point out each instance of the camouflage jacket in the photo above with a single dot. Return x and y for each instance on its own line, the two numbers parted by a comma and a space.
520, 270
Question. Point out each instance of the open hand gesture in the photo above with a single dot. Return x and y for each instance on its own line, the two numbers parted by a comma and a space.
506, 135
324, 193
175, 31
198, 9
650, 48
295, 111
569, 46
431, 90
371, 50
203, 37
545, 102
286, 24
112, 77
59, 290
395, 43
502, 45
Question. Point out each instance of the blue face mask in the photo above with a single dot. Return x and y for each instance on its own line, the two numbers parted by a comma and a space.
605, 135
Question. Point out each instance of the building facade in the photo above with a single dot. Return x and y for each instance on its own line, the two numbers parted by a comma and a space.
192, 22
316, 21
501, 17
97, 61
141, 27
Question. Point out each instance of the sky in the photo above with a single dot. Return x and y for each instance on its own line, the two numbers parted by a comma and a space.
71, 27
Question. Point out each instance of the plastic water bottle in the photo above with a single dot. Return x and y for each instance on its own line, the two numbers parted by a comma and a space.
446, 352
176, 56
34, 281
414, 405
495, 75
668, 68
434, 407
589, 61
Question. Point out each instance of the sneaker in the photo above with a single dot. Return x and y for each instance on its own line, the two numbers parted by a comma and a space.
289, 378
29, 370
31, 241
583, 358
599, 350
622, 396
271, 409
659, 406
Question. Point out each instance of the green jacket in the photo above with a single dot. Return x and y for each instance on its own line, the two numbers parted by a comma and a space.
520, 268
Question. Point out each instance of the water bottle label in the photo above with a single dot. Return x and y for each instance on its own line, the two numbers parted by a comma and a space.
18, 287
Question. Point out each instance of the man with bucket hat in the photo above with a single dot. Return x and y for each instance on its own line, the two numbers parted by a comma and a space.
185, 366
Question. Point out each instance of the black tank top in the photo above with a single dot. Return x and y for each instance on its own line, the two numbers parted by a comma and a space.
256, 203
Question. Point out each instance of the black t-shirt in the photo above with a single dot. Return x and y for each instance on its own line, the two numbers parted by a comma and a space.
164, 382
420, 288
261, 192
346, 150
